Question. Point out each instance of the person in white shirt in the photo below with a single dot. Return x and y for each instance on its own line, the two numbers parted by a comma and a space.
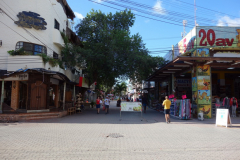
107, 103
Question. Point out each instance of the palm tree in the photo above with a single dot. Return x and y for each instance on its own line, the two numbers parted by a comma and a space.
120, 87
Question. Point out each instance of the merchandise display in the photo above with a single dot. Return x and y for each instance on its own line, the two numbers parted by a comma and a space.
79, 102
181, 109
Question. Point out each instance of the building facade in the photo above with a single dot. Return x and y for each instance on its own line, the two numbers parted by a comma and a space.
203, 67
30, 28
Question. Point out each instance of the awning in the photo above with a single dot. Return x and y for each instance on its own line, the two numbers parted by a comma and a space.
55, 74
183, 64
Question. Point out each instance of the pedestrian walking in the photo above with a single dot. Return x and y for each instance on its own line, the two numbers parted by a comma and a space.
107, 103
144, 102
98, 105
167, 103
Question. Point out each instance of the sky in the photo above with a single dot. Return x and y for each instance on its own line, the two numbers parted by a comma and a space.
160, 22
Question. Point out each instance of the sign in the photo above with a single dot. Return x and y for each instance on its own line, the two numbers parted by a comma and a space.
31, 20
19, 77
131, 106
184, 82
145, 84
217, 36
223, 117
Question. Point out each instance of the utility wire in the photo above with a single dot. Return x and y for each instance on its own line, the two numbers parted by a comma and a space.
176, 14
22, 27
15, 31
206, 8
153, 15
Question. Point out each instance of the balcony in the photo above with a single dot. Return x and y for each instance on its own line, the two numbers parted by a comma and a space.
57, 38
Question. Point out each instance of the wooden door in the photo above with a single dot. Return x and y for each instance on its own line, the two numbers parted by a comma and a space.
42, 97
38, 96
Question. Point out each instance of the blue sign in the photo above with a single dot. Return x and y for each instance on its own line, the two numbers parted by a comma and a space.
31, 20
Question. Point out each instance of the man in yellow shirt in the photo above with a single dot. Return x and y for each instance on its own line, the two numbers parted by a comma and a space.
167, 104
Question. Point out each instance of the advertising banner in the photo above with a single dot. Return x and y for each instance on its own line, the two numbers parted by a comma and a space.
203, 70
205, 109
194, 84
203, 82
131, 106
186, 44
216, 36
204, 97
83, 82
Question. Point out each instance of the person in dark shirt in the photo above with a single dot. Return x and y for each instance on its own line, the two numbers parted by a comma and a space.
144, 103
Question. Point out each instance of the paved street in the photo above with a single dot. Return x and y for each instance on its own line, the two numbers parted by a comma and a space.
99, 136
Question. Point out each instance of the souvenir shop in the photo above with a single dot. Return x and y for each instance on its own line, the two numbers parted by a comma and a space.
203, 74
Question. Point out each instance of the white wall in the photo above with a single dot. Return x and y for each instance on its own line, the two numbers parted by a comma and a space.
49, 10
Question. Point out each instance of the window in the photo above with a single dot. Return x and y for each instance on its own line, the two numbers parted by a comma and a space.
31, 48
55, 55
56, 24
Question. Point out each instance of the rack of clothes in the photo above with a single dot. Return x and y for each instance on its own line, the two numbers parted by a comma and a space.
231, 104
182, 109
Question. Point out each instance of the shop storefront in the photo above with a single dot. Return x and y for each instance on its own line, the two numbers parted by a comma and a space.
205, 68
36, 90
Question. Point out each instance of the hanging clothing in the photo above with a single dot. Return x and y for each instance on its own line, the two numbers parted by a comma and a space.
233, 102
226, 102
217, 104
234, 108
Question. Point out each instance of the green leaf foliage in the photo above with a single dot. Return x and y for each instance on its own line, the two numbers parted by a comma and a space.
110, 51
119, 87
19, 52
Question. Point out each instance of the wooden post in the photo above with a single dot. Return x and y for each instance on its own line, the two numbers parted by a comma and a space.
64, 95
172, 73
2, 96
74, 95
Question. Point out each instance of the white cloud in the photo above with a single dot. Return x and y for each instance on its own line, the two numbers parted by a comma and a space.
146, 21
158, 9
134, 11
79, 15
100, 1
227, 21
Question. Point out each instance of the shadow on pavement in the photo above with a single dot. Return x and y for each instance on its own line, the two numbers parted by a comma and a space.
89, 115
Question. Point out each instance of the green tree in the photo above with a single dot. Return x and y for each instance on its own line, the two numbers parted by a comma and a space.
110, 51
120, 87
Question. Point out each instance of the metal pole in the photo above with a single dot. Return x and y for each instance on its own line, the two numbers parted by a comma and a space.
64, 95
2, 96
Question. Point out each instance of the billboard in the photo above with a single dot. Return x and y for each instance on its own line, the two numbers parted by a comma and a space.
216, 36
186, 44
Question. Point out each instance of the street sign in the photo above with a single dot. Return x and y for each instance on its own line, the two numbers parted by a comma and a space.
131, 107
223, 118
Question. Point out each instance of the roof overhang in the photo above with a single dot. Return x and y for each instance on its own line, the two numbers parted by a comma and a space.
183, 64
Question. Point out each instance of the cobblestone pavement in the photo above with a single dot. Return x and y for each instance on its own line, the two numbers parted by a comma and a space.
105, 136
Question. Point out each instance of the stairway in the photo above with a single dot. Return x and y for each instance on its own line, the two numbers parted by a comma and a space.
39, 116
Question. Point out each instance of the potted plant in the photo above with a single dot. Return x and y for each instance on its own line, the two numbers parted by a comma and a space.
93, 103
